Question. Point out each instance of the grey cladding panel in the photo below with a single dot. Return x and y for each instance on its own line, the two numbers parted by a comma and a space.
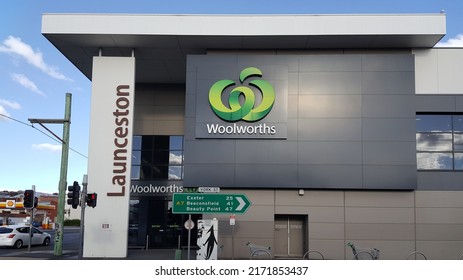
459, 103
330, 129
389, 153
323, 63
388, 129
291, 61
210, 151
389, 177
264, 152
221, 175
293, 106
388, 83
330, 176
384, 62
190, 87
330, 83
436, 103
438, 180
189, 130
330, 153
390, 106
190, 111
330, 105
293, 84
292, 129
266, 175
202, 103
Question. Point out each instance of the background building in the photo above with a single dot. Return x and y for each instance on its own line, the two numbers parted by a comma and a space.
12, 211
360, 141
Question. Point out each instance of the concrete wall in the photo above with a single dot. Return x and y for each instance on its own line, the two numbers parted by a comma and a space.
397, 223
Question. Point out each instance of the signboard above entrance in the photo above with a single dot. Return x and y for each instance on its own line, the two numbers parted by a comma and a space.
207, 203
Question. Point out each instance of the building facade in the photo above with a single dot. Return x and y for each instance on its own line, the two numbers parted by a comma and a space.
337, 128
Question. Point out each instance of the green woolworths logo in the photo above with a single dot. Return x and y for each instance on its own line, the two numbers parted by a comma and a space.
247, 111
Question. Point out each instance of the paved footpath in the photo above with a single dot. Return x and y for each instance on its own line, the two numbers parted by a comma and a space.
138, 254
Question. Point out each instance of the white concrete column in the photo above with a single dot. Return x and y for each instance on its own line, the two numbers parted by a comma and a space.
109, 157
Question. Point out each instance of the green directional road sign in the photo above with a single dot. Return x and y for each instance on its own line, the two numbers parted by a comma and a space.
208, 203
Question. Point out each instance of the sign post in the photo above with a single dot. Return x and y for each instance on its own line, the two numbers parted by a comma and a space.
210, 203
232, 224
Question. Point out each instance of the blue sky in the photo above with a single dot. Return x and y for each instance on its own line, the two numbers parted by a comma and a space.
35, 77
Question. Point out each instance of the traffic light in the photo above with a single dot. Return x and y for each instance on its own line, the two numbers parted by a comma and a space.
29, 199
91, 199
73, 195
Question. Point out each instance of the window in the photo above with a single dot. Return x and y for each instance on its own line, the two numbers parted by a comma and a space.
5, 230
157, 157
439, 142
23, 230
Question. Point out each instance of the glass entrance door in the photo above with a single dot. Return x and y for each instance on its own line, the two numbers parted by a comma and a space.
164, 228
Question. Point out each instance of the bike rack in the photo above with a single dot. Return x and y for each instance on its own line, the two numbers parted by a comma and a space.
260, 252
416, 253
313, 251
363, 252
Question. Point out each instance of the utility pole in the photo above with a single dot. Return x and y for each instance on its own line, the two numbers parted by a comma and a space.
58, 249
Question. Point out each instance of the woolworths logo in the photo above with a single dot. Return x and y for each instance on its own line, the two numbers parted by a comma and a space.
248, 110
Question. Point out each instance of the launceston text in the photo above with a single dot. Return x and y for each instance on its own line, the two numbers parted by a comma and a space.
121, 140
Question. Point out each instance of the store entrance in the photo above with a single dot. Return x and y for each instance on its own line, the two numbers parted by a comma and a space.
164, 228
152, 224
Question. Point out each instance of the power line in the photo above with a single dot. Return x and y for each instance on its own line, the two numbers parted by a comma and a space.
30, 125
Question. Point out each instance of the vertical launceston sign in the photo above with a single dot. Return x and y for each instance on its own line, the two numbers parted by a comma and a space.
122, 131
109, 156
252, 106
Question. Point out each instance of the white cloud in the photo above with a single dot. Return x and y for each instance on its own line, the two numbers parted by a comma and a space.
3, 112
47, 147
12, 105
175, 159
452, 42
14, 45
25, 82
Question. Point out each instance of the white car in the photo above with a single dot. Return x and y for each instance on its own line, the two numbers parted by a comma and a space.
18, 236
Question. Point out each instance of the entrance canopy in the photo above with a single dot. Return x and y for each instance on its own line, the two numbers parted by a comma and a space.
162, 42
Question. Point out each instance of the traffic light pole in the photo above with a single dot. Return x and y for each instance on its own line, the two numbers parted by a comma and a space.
83, 203
31, 220
58, 249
